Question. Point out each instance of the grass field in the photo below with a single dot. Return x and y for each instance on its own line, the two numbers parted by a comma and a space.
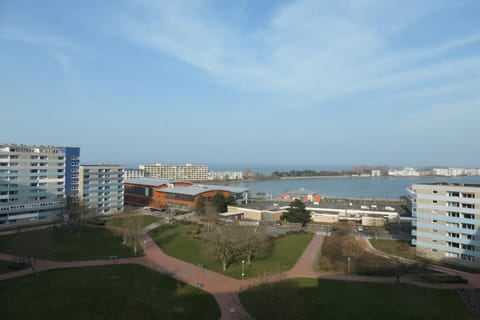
109, 292
328, 299
395, 247
6, 266
403, 249
61, 244
176, 241
145, 220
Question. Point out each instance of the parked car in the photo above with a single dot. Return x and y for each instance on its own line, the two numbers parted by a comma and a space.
360, 228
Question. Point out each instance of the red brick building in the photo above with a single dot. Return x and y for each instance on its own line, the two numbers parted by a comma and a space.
162, 194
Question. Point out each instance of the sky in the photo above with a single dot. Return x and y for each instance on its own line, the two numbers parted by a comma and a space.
298, 84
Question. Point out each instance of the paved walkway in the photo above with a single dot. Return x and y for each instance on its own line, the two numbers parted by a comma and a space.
225, 289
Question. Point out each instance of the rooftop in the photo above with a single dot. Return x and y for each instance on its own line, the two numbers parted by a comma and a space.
148, 181
197, 189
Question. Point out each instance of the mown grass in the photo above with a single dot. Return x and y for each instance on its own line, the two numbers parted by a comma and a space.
64, 244
329, 299
7, 266
145, 220
108, 292
395, 247
179, 241
335, 253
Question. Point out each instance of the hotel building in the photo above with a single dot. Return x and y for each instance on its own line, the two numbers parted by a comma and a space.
176, 172
447, 222
101, 187
33, 184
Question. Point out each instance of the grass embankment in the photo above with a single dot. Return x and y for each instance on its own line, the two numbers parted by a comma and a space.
178, 241
65, 244
109, 292
6, 266
144, 219
404, 249
328, 299
335, 253
395, 247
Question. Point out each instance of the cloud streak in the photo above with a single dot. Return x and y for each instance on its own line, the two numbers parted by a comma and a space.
306, 52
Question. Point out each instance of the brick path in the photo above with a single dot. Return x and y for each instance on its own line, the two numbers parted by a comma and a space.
225, 289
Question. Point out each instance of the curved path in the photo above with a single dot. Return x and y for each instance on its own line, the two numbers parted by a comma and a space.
225, 289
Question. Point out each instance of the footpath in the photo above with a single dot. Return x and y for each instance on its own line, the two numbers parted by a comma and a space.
225, 289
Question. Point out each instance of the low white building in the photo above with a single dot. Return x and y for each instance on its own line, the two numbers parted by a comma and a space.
225, 175
405, 172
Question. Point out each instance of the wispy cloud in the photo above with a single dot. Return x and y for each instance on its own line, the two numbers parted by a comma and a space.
58, 48
308, 51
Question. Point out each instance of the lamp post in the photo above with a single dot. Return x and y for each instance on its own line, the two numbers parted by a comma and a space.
348, 265
243, 269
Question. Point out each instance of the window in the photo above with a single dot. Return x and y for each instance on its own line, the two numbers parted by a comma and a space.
435, 191
468, 226
434, 201
434, 221
453, 214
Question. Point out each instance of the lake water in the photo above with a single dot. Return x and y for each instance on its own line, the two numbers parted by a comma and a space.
359, 188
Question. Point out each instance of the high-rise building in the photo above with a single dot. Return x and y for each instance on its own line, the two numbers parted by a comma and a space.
176, 172
32, 183
134, 173
101, 187
447, 222
72, 166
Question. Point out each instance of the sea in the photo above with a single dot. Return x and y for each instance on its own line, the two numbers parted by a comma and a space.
390, 188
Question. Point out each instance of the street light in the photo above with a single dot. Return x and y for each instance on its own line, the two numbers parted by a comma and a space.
348, 266
243, 269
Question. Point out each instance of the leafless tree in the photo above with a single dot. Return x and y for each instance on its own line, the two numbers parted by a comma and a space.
31, 246
223, 244
254, 242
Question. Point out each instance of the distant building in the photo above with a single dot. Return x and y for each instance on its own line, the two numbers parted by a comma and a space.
447, 222
134, 173
454, 172
176, 172
225, 175
101, 187
405, 172
301, 194
376, 173
33, 184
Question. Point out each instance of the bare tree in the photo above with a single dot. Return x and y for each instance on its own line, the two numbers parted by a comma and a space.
254, 242
31, 246
134, 231
223, 244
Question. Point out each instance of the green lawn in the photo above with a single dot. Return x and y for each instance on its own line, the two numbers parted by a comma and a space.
403, 249
328, 299
176, 242
62, 244
145, 220
6, 266
395, 247
109, 292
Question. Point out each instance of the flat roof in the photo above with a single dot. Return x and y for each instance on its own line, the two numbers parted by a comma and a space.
197, 189
152, 182
446, 184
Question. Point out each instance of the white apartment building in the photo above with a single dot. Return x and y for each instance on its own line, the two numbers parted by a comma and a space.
101, 187
453, 172
447, 222
405, 172
134, 174
176, 172
225, 175
32, 184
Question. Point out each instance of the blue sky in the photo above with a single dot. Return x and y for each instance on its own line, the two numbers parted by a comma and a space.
290, 83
